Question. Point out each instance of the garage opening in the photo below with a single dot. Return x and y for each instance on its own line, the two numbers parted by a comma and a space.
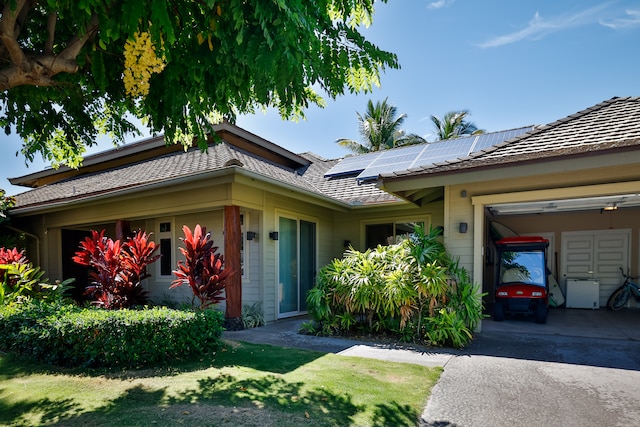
592, 239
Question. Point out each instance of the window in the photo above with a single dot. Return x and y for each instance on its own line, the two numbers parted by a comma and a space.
165, 237
522, 267
388, 233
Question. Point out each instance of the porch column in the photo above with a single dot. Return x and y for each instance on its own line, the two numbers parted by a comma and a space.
232, 241
123, 229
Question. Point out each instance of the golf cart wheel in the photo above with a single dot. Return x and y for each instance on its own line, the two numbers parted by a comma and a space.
541, 312
618, 298
498, 311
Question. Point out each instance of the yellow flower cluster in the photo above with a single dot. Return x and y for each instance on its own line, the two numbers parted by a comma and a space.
140, 61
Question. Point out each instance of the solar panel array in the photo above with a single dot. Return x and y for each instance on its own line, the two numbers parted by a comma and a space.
370, 165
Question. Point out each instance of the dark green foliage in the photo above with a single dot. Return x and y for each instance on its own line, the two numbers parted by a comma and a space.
412, 290
6, 203
228, 57
72, 336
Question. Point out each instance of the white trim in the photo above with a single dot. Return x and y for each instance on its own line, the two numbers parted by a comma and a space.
164, 235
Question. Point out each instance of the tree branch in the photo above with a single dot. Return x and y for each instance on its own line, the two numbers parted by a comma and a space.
76, 43
51, 32
38, 70
8, 35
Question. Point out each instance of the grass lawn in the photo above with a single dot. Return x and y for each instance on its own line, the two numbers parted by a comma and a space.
243, 384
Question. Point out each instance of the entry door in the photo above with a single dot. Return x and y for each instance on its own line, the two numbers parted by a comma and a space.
596, 254
296, 264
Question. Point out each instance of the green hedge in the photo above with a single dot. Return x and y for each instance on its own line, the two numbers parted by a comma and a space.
72, 336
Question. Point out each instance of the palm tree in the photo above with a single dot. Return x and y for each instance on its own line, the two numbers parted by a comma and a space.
454, 125
380, 130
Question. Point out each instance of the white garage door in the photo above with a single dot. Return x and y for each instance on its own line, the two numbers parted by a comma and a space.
597, 254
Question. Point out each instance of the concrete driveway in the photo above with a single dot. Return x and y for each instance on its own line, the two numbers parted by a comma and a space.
539, 380
580, 369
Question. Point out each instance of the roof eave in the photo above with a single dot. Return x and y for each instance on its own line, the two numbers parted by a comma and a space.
520, 168
232, 170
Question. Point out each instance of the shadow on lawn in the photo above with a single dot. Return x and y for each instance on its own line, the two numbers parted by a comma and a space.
264, 358
285, 403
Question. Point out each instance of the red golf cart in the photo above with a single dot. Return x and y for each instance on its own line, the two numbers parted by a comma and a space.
522, 286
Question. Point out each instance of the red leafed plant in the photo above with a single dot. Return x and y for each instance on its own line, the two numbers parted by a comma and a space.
118, 268
12, 256
203, 269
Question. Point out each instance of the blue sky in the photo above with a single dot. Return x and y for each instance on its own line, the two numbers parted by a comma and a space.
510, 63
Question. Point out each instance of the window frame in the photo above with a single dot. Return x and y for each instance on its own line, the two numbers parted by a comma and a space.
170, 235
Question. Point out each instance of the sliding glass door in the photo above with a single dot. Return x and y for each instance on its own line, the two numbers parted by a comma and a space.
296, 264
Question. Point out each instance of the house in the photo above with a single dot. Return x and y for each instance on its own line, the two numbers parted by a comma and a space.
277, 209
279, 216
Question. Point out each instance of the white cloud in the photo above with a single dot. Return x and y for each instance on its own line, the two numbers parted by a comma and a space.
540, 27
632, 20
439, 4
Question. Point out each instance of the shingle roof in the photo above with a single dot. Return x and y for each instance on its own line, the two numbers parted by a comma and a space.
170, 167
611, 125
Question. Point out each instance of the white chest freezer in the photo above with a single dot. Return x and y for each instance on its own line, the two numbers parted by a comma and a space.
583, 293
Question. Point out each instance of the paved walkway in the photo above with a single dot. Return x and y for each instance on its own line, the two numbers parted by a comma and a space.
514, 373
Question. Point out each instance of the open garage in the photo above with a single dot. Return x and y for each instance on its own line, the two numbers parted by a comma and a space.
591, 242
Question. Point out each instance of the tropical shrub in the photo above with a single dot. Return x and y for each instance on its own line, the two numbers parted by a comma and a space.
203, 268
118, 268
21, 281
65, 334
252, 315
413, 290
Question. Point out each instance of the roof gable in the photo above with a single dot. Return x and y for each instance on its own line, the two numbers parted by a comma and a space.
154, 147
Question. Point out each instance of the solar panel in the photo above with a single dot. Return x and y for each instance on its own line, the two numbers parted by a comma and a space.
370, 165
352, 164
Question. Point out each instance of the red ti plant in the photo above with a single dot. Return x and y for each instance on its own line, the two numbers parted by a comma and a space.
118, 268
203, 269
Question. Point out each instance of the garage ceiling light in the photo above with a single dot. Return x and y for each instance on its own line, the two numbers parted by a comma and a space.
566, 205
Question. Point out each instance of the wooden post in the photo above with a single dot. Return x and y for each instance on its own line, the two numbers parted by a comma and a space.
123, 229
232, 243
